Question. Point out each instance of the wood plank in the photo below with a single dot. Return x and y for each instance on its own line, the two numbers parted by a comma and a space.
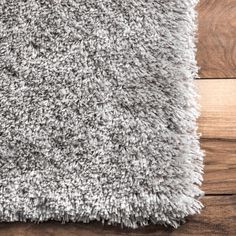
220, 166
217, 218
217, 38
218, 108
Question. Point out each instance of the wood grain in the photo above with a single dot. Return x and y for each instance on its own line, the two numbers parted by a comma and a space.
218, 108
208, 223
217, 38
220, 166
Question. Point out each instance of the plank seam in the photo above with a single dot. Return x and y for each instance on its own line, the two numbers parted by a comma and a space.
218, 139
219, 194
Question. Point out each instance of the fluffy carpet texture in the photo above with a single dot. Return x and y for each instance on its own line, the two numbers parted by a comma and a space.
98, 111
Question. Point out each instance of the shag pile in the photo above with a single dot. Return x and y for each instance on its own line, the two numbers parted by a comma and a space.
98, 111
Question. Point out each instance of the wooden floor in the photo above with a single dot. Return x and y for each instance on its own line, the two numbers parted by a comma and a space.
217, 86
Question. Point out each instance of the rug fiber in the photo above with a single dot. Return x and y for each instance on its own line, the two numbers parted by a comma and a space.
98, 111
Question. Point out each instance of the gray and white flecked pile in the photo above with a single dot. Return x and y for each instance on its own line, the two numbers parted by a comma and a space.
98, 111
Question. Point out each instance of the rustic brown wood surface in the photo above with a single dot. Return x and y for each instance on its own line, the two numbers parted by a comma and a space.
218, 108
220, 166
217, 38
217, 59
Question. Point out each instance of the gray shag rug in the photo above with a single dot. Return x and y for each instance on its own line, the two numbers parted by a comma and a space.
98, 111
